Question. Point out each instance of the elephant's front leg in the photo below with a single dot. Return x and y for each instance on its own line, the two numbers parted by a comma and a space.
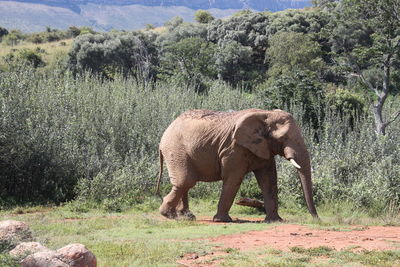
267, 180
229, 190
232, 176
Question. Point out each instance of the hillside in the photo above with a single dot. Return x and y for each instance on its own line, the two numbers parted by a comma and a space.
273, 5
35, 15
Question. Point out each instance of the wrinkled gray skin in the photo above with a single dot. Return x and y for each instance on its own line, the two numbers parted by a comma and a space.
204, 145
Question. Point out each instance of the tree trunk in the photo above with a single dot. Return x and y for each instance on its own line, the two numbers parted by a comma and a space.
380, 126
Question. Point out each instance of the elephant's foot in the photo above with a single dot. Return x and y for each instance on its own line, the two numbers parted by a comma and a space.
272, 219
186, 215
222, 218
169, 213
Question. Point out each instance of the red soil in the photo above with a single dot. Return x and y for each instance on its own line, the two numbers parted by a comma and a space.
285, 236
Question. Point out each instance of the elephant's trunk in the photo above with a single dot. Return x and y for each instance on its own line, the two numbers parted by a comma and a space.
306, 183
302, 158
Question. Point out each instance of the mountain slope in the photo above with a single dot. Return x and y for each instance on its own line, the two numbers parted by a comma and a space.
103, 15
260, 5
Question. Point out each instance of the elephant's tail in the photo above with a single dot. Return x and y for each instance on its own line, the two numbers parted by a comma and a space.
160, 174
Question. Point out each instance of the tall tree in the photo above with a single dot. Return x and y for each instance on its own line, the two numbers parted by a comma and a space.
191, 60
203, 16
366, 40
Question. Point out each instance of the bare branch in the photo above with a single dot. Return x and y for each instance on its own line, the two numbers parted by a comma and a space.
394, 117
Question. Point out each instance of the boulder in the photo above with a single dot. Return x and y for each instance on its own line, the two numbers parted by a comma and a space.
14, 229
43, 259
77, 255
73, 255
12, 233
27, 248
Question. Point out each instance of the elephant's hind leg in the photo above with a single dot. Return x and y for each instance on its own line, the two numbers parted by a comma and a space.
170, 202
176, 200
183, 208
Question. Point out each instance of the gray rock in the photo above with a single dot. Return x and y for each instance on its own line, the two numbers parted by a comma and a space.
27, 248
77, 255
43, 259
14, 229
73, 255
12, 233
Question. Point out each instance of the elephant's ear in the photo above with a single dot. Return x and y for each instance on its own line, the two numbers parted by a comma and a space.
251, 132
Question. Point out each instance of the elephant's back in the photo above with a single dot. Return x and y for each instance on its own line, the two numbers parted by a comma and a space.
206, 114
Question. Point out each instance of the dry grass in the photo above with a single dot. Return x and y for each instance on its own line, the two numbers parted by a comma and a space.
48, 51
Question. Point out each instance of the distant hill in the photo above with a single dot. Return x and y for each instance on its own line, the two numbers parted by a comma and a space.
35, 15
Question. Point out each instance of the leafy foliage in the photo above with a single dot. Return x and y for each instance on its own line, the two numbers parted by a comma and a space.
191, 60
202, 16
292, 51
13, 37
89, 128
108, 53
3, 31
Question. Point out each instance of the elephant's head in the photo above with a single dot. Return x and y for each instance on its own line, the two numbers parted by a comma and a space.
270, 133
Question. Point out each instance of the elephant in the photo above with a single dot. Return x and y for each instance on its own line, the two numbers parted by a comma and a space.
206, 145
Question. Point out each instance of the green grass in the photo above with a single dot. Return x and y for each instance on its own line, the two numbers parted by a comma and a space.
136, 237
320, 256
130, 238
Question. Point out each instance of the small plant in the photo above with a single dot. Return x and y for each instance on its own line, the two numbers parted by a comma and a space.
7, 260
317, 251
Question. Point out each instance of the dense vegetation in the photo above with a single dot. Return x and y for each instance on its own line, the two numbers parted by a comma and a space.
89, 126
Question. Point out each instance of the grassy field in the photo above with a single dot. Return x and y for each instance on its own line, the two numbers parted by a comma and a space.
49, 51
96, 140
140, 236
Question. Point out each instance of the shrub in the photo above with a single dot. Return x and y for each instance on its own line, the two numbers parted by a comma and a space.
108, 53
31, 57
202, 16
63, 137
13, 37
73, 32
3, 32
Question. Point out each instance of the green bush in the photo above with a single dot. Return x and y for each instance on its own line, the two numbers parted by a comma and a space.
7, 260
132, 53
301, 88
14, 37
3, 32
203, 16
63, 137
31, 57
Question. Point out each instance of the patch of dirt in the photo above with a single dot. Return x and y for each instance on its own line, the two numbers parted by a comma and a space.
285, 236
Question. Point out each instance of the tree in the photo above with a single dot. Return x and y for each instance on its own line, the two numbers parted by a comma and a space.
131, 53
292, 51
246, 31
3, 32
31, 57
178, 31
13, 37
233, 62
366, 40
192, 60
73, 31
174, 22
301, 88
202, 16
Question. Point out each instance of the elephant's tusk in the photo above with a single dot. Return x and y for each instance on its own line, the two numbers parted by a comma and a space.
295, 163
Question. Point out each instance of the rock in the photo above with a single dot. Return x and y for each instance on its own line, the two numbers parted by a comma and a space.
12, 233
77, 255
27, 248
43, 259
14, 229
73, 255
